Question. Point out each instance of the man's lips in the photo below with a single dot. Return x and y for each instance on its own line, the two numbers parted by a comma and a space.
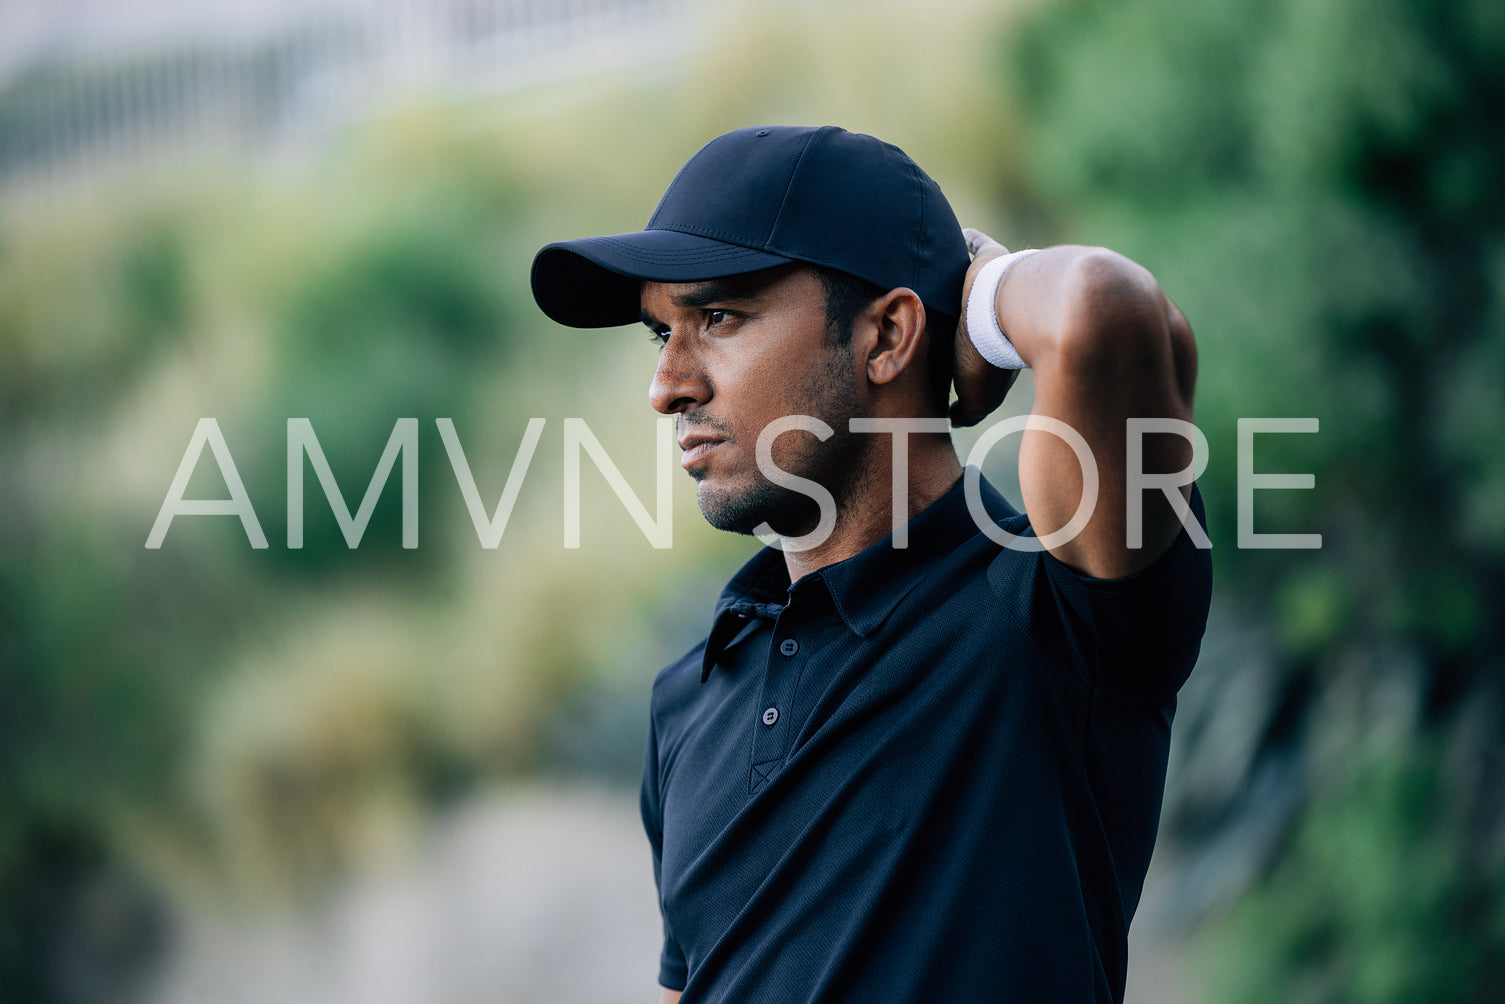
696, 447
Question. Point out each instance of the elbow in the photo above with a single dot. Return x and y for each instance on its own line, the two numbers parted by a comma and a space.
1118, 319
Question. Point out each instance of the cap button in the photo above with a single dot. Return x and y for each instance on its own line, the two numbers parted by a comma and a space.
762, 132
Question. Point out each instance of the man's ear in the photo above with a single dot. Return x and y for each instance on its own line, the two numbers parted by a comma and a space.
897, 320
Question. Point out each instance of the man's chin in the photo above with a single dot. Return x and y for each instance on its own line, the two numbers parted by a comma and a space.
744, 509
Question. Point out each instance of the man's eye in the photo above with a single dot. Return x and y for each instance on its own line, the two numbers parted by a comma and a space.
658, 336
715, 317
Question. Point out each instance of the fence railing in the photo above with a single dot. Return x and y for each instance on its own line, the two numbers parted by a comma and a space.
92, 110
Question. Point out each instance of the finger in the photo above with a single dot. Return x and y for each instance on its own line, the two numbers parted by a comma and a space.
977, 241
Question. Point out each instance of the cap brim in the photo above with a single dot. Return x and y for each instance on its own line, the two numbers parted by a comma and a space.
593, 282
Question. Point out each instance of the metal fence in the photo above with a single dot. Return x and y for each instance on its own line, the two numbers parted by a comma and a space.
97, 108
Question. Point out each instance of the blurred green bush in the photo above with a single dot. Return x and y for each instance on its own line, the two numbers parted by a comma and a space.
1379, 897
1317, 183
210, 720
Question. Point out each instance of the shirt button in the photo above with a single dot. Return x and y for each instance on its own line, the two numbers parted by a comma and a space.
789, 646
770, 716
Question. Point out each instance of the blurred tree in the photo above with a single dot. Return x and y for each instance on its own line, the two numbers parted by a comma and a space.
108, 650
393, 325
1371, 901
208, 723
1318, 184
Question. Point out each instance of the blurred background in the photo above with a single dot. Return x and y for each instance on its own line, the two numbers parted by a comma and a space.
389, 775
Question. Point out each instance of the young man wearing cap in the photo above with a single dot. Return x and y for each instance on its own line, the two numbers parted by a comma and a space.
920, 754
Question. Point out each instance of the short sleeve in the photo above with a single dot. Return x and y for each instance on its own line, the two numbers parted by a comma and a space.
1131, 640
1147, 627
672, 969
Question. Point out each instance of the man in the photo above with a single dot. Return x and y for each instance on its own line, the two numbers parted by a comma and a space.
920, 754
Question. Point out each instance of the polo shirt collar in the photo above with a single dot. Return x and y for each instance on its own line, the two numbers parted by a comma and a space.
866, 587
759, 590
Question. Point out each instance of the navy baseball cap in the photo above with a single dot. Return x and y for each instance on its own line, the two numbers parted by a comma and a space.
765, 196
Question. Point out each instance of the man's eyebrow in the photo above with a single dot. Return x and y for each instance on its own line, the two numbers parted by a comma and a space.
737, 289
714, 291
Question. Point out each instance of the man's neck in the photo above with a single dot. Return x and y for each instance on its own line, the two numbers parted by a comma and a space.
867, 515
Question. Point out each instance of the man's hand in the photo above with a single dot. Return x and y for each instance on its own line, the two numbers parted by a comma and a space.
980, 386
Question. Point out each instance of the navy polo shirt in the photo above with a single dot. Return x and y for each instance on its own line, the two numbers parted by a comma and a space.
920, 774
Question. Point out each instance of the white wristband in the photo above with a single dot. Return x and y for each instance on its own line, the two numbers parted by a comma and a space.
982, 313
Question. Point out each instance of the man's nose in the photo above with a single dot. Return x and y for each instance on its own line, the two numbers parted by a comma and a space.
678, 383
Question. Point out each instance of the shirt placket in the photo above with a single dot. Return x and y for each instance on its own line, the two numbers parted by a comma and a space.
774, 725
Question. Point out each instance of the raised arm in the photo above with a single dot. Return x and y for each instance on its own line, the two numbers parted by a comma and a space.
1106, 345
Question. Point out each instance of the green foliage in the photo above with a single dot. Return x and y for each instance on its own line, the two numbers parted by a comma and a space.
209, 717
1316, 184
88, 306
424, 281
393, 325
1376, 901
154, 280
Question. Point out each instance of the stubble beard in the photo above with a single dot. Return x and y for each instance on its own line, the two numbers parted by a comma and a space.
835, 463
